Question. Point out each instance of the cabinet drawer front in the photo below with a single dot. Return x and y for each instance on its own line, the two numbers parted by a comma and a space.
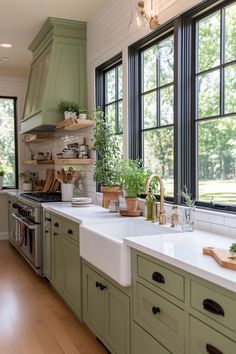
142, 342
159, 317
161, 277
214, 305
56, 224
205, 340
71, 230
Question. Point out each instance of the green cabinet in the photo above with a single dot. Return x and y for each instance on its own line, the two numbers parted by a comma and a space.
106, 310
62, 262
176, 312
58, 71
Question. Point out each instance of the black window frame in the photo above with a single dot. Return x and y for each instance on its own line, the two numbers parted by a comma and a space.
185, 139
14, 98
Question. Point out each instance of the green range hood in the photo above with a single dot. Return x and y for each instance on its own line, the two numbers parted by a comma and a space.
58, 72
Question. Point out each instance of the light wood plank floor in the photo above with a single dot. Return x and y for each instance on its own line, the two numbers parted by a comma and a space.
33, 318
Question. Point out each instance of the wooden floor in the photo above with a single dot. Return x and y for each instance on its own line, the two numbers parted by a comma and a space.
33, 318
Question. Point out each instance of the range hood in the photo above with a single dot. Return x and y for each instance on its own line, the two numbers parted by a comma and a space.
58, 72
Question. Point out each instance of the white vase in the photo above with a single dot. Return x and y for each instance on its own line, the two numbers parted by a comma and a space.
67, 115
83, 116
66, 192
27, 186
1, 182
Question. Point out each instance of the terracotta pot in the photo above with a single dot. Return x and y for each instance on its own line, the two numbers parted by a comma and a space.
110, 193
132, 204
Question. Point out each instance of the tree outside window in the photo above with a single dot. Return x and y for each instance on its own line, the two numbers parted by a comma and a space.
7, 141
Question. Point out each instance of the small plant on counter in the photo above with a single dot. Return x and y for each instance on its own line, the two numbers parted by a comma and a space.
233, 248
187, 198
28, 176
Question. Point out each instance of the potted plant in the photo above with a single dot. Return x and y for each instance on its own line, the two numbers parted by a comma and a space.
108, 155
27, 177
1, 175
132, 179
82, 114
70, 109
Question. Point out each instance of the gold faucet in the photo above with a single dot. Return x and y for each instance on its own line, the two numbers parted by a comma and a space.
161, 216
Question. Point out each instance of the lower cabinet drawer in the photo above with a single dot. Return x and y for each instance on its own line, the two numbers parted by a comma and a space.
161, 318
215, 305
142, 342
71, 230
205, 340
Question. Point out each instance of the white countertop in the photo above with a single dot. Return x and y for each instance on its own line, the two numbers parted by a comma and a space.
183, 250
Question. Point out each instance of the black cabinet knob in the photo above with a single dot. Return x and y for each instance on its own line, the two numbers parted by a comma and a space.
158, 277
70, 232
46, 231
212, 350
56, 224
98, 284
47, 219
213, 307
55, 233
156, 310
102, 287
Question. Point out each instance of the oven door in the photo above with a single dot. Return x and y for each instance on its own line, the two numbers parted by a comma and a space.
27, 239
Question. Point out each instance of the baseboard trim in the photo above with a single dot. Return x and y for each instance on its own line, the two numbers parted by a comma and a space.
3, 235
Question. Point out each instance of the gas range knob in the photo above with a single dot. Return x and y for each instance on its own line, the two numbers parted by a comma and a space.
14, 205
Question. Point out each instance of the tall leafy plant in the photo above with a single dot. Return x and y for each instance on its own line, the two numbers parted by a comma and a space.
108, 151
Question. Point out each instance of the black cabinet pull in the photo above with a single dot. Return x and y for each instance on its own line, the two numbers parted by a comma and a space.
156, 310
98, 284
47, 219
102, 287
158, 277
46, 231
70, 232
212, 306
56, 224
55, 233
212, 350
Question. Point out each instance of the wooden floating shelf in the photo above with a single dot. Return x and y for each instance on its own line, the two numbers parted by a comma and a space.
75, 124
73, 161
33, 139
58, 162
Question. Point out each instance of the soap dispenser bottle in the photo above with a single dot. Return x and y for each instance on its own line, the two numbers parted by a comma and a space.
150, 205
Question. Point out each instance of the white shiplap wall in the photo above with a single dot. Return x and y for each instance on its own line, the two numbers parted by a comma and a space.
109, 34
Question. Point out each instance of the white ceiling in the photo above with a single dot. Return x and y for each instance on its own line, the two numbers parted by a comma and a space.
20, 20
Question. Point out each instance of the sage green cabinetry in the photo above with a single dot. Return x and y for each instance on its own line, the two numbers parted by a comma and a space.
177, 312
58, 71
62, 262
106, 310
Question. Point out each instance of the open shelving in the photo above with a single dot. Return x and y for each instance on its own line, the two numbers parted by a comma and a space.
58, 162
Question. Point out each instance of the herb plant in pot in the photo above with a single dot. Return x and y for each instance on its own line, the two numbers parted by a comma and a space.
108, 155
188, 214
27, 178
132, 179
1, 175
70, 109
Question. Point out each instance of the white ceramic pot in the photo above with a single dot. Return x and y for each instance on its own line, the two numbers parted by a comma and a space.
27, 186
67, 115
83, 116
1, 181
66, 192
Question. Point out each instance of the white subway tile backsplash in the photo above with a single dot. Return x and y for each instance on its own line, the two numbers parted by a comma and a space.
230, 221
220, 229
203, 226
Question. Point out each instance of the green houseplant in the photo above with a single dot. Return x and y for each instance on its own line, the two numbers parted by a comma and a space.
132, 179
70, 109
188, 213
108, 155
27, 178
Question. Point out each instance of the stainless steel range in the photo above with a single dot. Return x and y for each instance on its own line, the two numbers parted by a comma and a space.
27, 230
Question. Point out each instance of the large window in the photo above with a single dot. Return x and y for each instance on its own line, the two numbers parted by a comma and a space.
157, 110
215, 106
8, 155
110, 97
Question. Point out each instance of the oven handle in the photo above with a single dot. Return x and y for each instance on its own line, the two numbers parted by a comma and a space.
32, 227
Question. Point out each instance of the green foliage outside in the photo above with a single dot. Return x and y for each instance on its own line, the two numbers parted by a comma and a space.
7, 141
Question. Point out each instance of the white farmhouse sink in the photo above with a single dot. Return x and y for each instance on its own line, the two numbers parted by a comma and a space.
102, 245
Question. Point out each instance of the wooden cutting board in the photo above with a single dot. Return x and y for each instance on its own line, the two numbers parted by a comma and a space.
221, 256
48, 180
